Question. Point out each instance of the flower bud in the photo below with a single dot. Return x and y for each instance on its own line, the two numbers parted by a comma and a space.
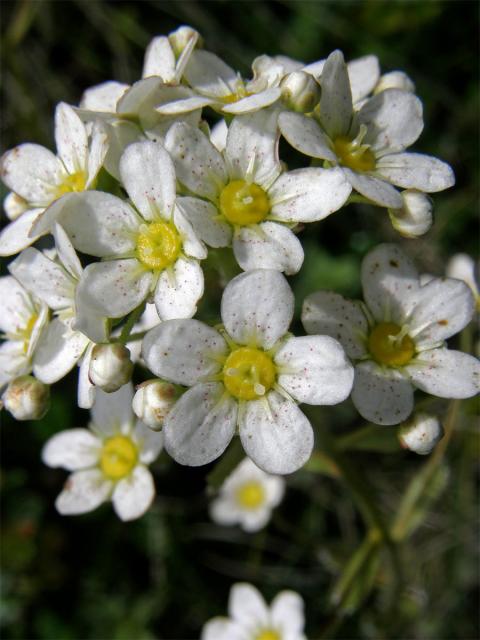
153, 400
415, 217
27, 398
300, 91
181, 37
421, 433
110, 366
394, 80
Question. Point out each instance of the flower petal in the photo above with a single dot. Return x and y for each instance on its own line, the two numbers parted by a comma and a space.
364, 74
133, 495
44, 278
199, 166
376, 190
305, 135
415, 217
222, 629
308, 195
71, 138
444, 307
149, 177
203, 218
114, 288
72, 450
416, 171
314, 369
148, 441
252, 148
446, 373
17, 307
86, 390
66, 252
200, 425
58, 351
112, 412
247, 606
390, 283
253, 103
13, 361
328, 313
16, 235
98, 149
83, 491
184, 351
184, 105
103, 96
336, 102
268, 245
159, 59
394, 119
278, 437
287, 612
381, 395
177, 293
209, 75
31, 171
193, 247
257, 306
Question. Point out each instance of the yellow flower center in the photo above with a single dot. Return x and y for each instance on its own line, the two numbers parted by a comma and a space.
386, 348
72, 182
242, 203
248, 373
158, 245
250, 495
239, 94
118, 458
354, 154
26, 333
268, 634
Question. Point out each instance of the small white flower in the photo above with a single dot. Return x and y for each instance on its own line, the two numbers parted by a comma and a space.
248, 200
40, 177
22, 321
421, 433
462, 267
250, 374
247, 497
397, 338
26, 398
149, 249
109, 460
369, 144
251, 619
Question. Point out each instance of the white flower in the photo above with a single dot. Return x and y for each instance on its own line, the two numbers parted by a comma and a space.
251, 373
462, 267
167, 56
248, 201
415, 217
368, 145
247, 497
421, 433
397, 339
22, 320
251, 618
109, 460
110, 366
39, 177
151, 249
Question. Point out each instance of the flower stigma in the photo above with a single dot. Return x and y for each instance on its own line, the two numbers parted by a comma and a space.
354, 154
118, 457
389, 345
158, 245
250, 495
72, 182
242, 203
248, 373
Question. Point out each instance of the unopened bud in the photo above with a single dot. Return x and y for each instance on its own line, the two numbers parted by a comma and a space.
27, 398
421, 433
415, 217
181, 37
152, 402
394, 80
110, 366
300, 91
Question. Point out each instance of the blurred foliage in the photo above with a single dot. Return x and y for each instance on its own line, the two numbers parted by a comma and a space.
380, 542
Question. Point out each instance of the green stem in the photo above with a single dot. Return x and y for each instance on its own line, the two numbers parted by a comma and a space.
129, 324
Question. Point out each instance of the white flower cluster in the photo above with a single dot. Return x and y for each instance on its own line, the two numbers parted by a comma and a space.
147, 179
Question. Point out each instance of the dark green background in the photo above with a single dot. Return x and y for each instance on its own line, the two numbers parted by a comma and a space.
165, 575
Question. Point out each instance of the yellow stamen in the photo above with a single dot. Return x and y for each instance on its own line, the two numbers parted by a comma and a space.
158, 245
354, 154
388, 349
268, 634
242, 203
118, 458
248, 373
72, 182
250, 495
26, 333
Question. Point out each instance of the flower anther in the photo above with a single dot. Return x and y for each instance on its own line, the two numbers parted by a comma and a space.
389, 345
118, 457
158, 245
242, 203
248, 373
